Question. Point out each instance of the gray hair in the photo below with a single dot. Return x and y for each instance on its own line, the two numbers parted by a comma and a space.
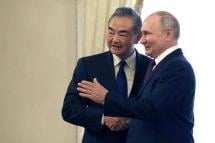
169, 21
126, 11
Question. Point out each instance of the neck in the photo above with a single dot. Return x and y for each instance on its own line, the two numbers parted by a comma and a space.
126, 56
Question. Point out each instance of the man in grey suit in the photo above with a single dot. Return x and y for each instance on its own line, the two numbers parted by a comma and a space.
124, 30
163, 112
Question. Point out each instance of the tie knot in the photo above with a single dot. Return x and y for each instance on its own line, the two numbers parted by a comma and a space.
122, 64
152, 63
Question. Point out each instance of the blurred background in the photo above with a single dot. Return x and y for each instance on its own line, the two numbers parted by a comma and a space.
41, 40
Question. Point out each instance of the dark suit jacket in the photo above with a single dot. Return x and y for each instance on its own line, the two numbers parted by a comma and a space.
85, 113
164, 111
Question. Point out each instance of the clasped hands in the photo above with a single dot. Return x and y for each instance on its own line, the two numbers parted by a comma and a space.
116, 123
97, 93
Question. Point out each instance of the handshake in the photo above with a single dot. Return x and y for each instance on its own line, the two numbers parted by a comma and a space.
116, 123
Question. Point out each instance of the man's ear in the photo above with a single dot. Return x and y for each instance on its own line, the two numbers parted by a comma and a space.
169, 34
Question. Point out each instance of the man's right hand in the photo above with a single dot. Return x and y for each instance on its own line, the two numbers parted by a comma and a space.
116, 123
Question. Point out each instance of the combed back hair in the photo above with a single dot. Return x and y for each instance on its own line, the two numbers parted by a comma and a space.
128, 12
169, 21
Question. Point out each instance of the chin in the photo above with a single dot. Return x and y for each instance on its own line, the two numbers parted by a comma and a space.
147, 53
116, 51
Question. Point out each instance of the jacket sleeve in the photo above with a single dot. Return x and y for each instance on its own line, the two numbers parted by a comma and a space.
77, 110
172, 90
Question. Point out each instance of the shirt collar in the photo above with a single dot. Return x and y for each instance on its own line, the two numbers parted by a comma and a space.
130, 61
165, 53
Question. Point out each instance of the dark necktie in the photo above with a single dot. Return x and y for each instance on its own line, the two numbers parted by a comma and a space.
149, 69
121, 80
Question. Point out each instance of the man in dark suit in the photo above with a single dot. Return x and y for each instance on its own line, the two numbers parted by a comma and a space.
124, 30
164, 111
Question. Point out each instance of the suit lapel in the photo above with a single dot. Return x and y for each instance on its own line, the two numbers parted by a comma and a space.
162, 64
108, 73
141, 66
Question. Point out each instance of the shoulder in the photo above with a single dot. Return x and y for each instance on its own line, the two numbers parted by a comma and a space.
95, 58
179, 61
179, 65
96, 61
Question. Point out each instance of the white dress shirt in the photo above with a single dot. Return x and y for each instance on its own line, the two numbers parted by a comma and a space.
129, 71
165, 53
129, 68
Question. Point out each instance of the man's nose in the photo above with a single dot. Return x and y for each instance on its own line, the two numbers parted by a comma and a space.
115, 38
142, 40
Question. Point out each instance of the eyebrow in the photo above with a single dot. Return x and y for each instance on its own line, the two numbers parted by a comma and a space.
110, 28
123, 31
120, 31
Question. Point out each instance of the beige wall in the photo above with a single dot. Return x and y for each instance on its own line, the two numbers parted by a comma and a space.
37, 57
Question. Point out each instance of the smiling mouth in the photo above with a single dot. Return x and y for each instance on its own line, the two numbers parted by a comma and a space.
115, 46
147, 47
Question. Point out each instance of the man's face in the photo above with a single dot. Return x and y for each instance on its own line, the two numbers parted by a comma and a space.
121, 36
153, 38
